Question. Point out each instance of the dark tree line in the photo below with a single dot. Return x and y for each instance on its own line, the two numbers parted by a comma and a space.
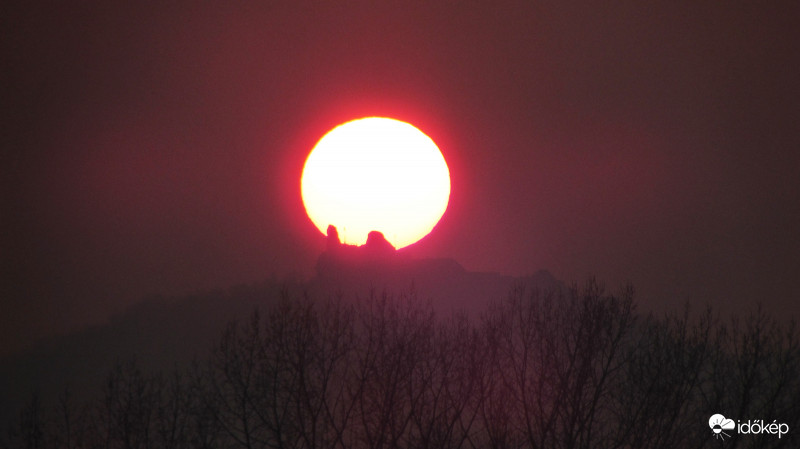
572, 369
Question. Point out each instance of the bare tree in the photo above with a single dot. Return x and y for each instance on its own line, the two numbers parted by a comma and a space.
232, 393
127, 414
655, 402
755, 375
31, 429
394, 333
449, 374
556, 357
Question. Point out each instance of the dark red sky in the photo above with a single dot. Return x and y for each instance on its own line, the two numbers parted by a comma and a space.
157, 148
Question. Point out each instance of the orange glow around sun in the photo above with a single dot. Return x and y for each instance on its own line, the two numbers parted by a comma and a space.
376, 174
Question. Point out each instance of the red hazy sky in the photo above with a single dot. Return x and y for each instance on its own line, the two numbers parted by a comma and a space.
156, 148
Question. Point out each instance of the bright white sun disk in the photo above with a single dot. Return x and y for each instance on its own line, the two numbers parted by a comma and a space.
376, 174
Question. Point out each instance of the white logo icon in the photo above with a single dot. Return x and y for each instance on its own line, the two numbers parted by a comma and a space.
719, 424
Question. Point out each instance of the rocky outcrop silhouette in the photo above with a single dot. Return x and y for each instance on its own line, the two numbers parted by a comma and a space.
377, 252
378, 246
332, 242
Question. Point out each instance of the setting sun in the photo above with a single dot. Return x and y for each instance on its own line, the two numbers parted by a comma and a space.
376, 174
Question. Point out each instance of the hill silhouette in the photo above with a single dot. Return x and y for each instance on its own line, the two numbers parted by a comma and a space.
162, 333
378, 266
